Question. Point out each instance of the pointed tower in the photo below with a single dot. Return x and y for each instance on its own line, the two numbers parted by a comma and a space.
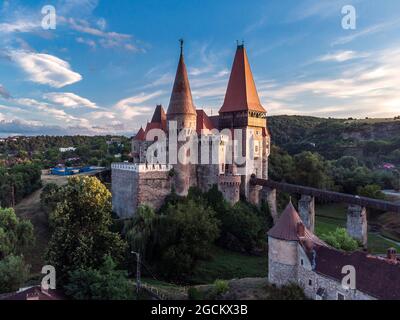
242, 110
182, 115
181, 108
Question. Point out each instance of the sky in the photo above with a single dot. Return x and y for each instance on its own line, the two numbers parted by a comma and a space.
106, 65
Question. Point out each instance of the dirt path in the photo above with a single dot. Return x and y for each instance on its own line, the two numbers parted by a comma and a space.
29, 208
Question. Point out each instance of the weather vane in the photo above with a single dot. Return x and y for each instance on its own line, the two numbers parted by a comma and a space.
181, 42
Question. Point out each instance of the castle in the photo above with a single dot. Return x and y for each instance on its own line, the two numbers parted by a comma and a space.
239, 131
295, 253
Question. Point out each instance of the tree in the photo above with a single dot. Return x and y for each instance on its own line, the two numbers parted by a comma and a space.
184, 235
242, 229
13, 273
49, 198
106, 283
139, 230
311, 171
82, 221
371, 191
15, 234
340, 239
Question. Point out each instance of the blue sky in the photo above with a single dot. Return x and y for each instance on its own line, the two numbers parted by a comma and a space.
108, 63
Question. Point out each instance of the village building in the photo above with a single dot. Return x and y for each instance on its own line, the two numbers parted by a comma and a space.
296, 255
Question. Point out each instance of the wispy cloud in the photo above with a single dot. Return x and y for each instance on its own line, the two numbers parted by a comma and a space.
370, 88
69, 100
45, 68
367, 31
106, 39
341, 56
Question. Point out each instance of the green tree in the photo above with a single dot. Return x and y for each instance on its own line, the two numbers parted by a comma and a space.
371, 191
312, 171
105, 283
184, 235
340, 239
242, 229
82, 221
139, 230
13, 273
15, 234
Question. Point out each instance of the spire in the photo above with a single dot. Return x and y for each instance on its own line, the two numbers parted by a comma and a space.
181, 98
159, 115
241, 94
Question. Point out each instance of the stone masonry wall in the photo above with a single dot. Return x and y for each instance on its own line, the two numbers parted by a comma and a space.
153, 187
124, 192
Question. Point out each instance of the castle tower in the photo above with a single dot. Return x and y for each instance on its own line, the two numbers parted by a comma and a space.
282, 247
242, 110
182, 113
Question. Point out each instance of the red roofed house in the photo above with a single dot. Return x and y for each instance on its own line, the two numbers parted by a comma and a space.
296, 255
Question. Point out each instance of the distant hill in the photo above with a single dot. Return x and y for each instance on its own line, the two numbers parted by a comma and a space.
372, 140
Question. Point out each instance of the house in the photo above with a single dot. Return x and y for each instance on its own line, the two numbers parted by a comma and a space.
296, 255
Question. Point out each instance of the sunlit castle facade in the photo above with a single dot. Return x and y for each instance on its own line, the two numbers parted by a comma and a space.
186, 148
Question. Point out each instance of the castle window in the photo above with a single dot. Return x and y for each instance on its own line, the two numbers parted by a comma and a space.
302, 262
310, 282
340, 296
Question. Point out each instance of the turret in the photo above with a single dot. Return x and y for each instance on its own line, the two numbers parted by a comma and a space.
182, 112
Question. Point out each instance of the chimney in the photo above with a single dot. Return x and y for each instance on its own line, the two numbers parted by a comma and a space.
300, 230
391, 254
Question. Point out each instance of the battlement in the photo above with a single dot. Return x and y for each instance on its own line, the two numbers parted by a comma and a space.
140, 167
230, 180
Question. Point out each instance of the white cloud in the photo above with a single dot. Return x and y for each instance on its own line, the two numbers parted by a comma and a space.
367, 31
137, 99
45, 68
367, 88
69, 100
341, 56
18, 26
132, 107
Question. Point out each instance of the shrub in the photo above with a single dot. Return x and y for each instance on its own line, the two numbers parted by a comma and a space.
221, 287
340, 239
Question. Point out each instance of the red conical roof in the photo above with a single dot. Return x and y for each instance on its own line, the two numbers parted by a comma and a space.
159, 114
286, 228
140, 136
181, 98
241, 94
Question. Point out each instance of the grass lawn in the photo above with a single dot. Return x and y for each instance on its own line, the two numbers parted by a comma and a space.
228, 265
330, 217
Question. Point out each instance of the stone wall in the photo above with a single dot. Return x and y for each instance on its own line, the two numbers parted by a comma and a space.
357, 225
136, 184
153, 187
282, 261
124, 192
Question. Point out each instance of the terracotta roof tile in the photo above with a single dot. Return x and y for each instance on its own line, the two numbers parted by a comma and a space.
203, 121
286, 228
376, 276
241, 93
181, 101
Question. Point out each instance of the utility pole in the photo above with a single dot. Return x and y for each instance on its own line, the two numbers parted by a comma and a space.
137, 273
